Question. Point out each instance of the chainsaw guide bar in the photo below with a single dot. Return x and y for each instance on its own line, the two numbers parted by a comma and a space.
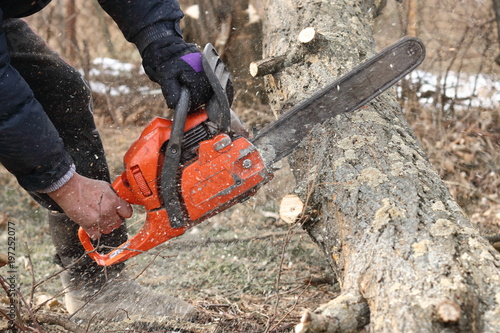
348, 93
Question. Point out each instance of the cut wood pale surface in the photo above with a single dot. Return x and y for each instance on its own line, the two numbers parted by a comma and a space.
267, 66
307, 35
275, 64
291, 208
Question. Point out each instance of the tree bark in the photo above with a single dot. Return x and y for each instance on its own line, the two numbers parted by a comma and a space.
496, 8
405, 254
412, 23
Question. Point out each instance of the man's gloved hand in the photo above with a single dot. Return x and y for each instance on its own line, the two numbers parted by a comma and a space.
173, 63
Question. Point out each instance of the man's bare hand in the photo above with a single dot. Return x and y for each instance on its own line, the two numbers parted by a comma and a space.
92, 204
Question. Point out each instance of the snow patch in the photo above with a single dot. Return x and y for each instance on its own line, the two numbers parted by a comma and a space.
465, 90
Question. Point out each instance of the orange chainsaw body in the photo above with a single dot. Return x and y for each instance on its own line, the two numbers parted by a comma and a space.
223, 173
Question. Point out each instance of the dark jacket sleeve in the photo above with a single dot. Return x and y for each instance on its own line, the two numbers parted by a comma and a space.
142, 21
30, 146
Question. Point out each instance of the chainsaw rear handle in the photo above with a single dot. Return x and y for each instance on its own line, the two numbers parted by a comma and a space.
157, 228
154, 232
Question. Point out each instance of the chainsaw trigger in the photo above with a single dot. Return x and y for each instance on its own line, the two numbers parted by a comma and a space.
141, 181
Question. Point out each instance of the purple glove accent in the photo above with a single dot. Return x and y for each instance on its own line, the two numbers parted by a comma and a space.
194, 60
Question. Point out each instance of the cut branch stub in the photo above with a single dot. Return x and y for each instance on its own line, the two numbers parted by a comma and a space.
267, 66
306, 38
310, 40
346, 313
448, 311
291, 208
312, 322
307, 35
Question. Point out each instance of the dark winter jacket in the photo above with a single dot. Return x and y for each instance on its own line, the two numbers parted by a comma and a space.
30, 147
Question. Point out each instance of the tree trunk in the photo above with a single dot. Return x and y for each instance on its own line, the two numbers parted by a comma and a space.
405, 254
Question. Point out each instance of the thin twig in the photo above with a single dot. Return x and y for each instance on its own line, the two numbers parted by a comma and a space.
32, 273
292, 307
99, 220
286, 241
148, 264
29, 310
56, 319
17, 309
50, 277
16, 325
5, 287
280, 270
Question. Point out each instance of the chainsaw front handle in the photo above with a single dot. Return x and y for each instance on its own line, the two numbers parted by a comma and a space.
168, 178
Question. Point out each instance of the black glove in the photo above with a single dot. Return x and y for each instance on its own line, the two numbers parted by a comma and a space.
173, 63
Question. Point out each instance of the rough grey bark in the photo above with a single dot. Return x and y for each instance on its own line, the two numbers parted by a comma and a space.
405, 254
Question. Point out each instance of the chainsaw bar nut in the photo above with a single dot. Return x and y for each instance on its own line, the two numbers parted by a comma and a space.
247, 164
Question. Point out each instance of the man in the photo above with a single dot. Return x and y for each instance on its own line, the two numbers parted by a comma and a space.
49, 142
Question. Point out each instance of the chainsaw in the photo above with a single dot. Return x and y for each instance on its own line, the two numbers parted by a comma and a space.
188, 169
